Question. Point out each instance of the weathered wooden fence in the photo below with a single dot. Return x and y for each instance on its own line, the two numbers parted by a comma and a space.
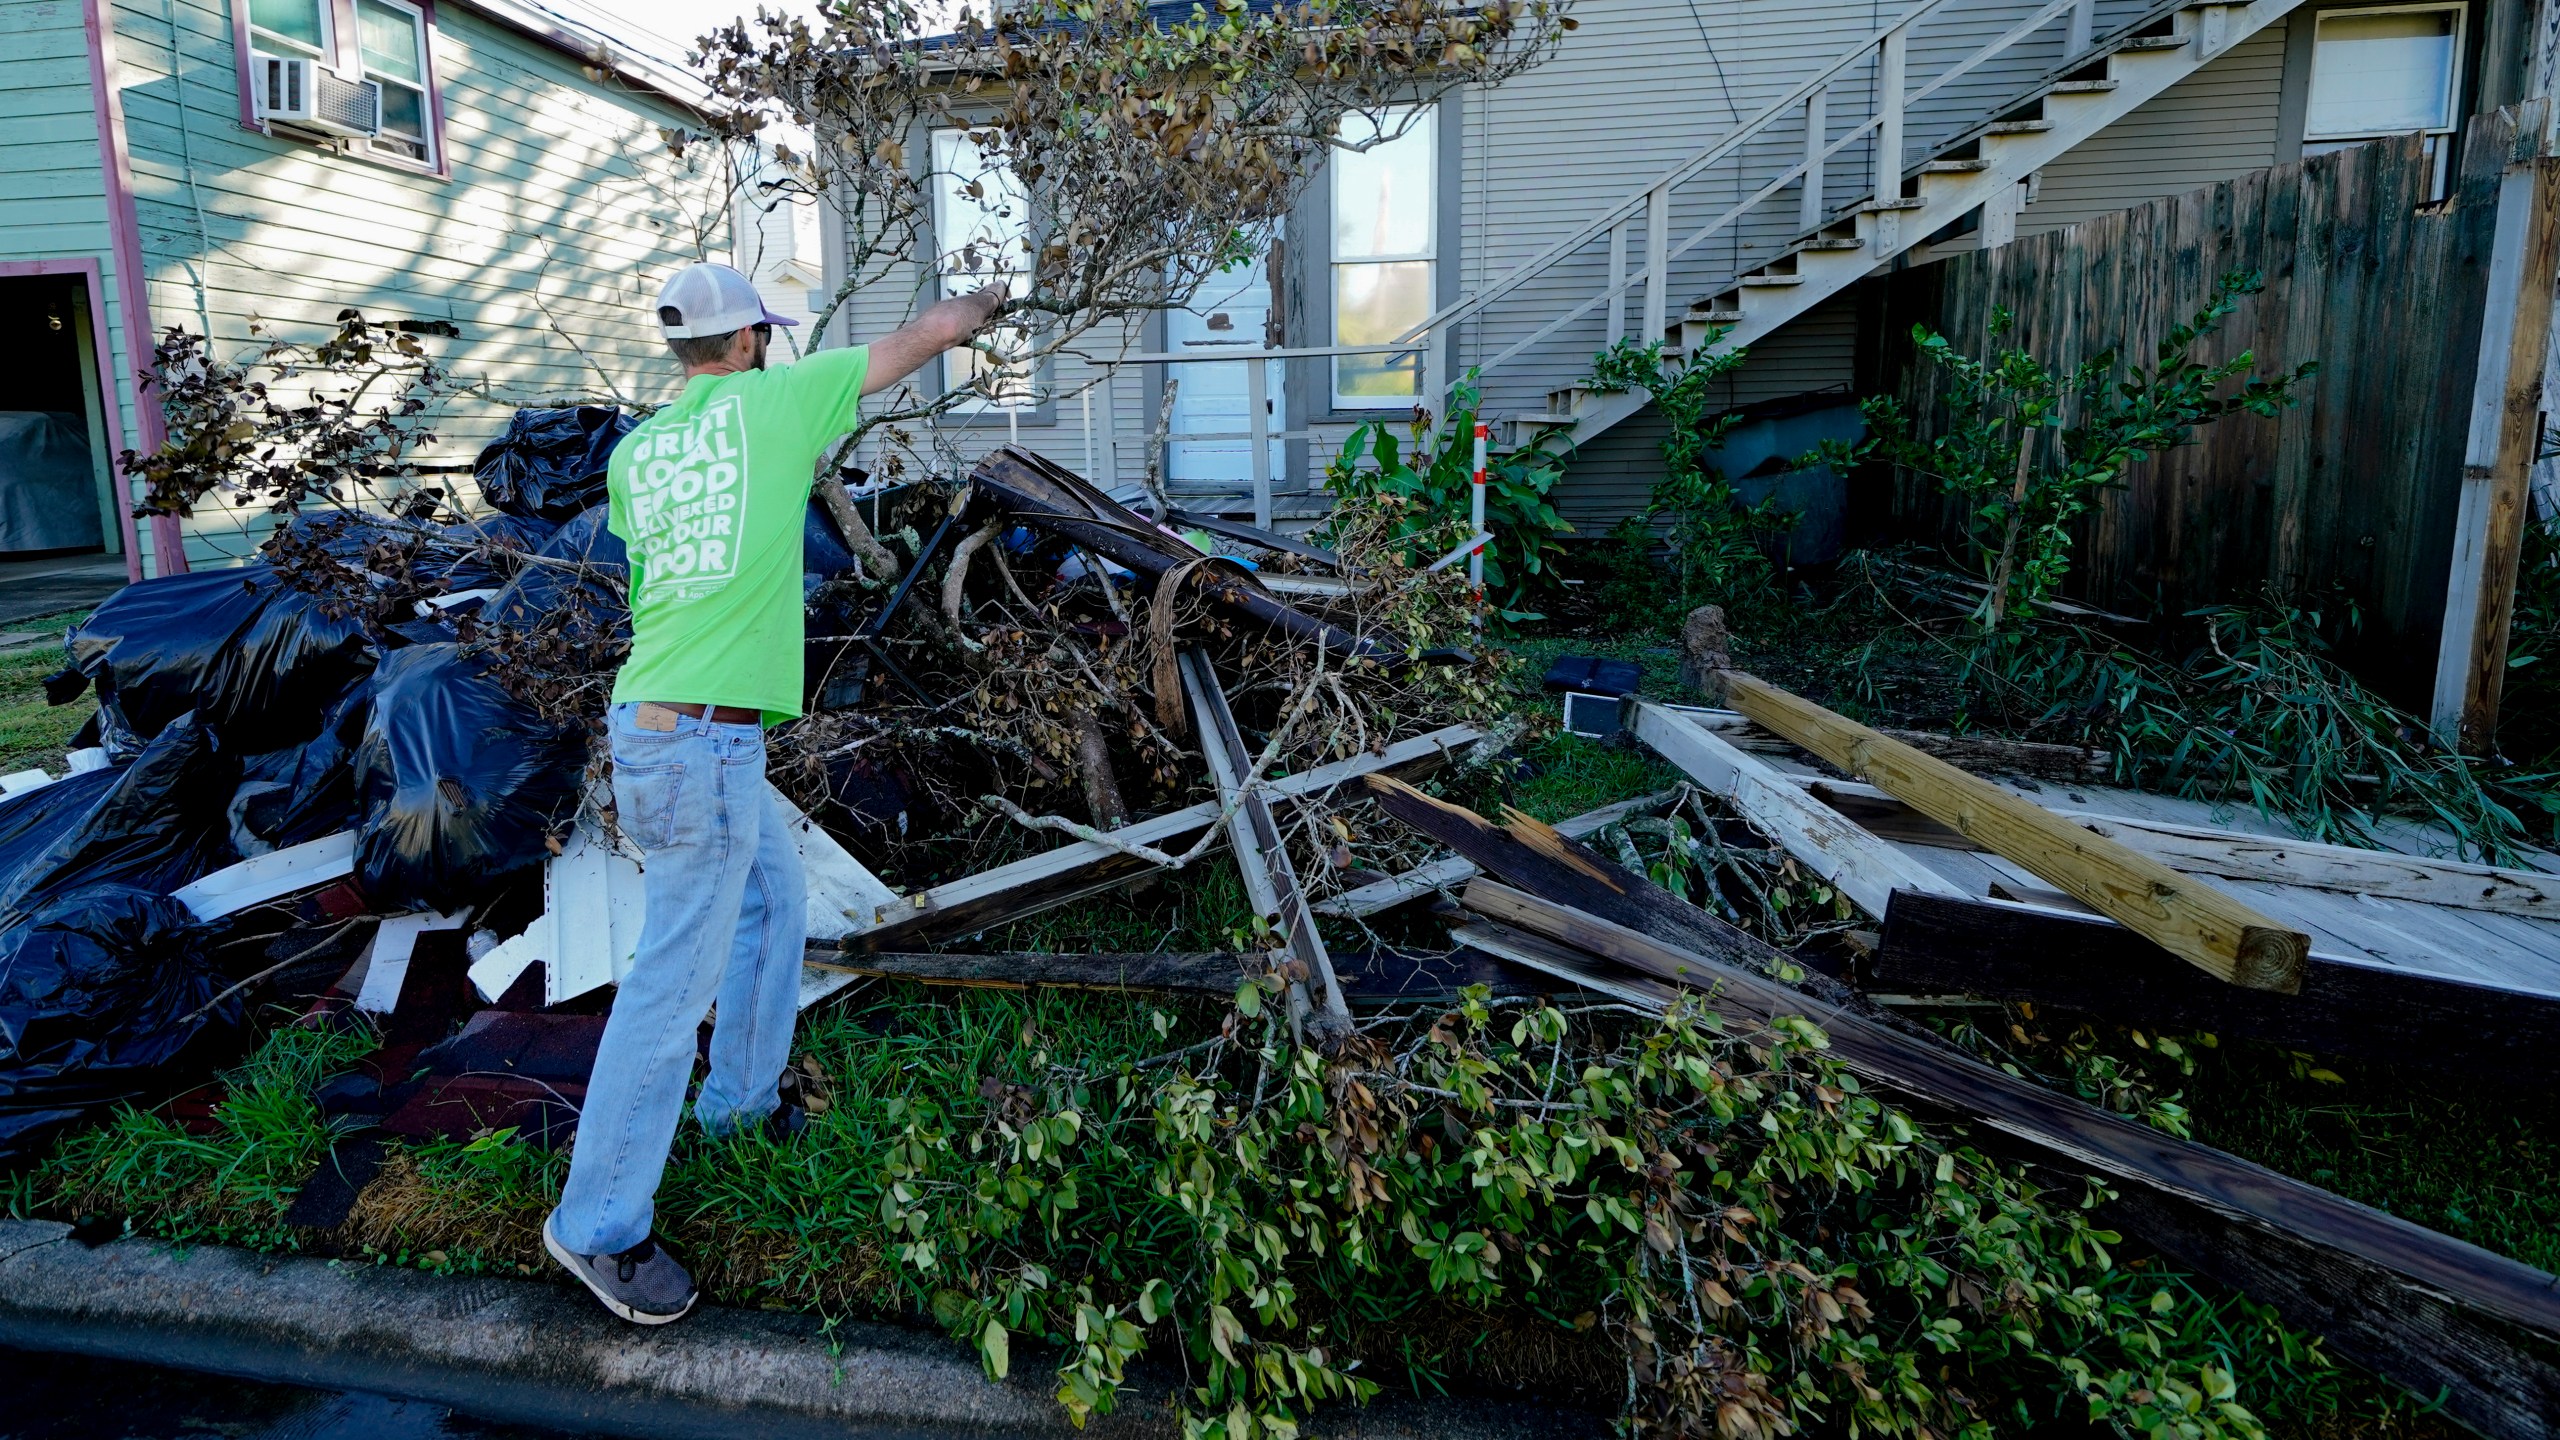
2353, 491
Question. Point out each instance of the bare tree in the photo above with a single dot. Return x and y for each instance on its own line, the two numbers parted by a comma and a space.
1111, 159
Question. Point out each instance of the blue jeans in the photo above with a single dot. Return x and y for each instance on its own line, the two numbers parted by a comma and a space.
726, 917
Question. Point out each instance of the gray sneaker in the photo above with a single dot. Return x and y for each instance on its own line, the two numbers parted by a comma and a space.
643, 1284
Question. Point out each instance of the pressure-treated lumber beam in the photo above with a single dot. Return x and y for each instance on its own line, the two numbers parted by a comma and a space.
1862, 867
1938, 945
1981, 754
2423, 1308
2420, 1308
1072, 871
2191, 919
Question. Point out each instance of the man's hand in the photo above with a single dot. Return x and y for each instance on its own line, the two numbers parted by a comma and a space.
944, 325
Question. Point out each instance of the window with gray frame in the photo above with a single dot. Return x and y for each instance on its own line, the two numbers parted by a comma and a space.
1385, 254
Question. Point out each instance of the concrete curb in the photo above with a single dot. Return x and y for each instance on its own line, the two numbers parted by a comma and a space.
529, 1353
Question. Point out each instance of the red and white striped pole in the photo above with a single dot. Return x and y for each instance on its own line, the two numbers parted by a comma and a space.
1475, 562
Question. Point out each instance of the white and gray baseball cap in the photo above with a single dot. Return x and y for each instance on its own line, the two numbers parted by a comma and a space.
707, 299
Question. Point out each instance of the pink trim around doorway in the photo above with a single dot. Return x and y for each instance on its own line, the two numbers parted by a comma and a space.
102, 353
168, 546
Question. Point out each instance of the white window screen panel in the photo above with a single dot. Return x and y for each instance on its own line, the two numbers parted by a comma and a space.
1385, 229
392, 39
2384, 73
982, 227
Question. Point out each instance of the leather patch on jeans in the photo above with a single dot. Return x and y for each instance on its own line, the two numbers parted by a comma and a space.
655, 717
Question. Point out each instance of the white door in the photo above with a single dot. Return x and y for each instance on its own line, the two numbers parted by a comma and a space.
1230, 312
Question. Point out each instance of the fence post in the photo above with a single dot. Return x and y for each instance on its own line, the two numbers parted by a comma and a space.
1817, 134
1657, 253
1617, 283
1257, 421
1889, 66
2497, 458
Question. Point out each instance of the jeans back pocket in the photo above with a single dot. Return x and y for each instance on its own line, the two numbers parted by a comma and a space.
644, 802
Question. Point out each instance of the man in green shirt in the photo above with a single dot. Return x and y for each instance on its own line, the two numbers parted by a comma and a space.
710, 496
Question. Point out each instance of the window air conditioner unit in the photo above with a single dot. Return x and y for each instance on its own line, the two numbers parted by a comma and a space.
310, 95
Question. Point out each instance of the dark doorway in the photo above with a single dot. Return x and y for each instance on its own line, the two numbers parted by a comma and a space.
54, 497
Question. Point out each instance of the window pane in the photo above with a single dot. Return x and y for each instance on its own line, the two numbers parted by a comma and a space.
390, 43
297, 20
982, 218
2382, 74
1373, 304
404, 111
1382, 196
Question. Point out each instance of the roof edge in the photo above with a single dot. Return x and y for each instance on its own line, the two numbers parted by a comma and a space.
593, 47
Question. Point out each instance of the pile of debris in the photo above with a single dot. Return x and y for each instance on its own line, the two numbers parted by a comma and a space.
365, 772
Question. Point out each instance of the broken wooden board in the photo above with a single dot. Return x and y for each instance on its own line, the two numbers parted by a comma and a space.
1072, 871
1935, 945
2233, 1218
1450, 871
1253, 838
277, 873
1209, 973
1981, 754
2193, 920
1858, 864
1532, 855
2239, 855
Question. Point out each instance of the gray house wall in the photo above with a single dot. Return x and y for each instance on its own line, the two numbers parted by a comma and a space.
1639, 87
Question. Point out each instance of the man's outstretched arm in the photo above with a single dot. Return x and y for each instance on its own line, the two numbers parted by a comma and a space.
944, 325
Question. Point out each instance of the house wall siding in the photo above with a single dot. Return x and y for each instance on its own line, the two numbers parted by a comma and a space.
53, 205
564, 213
2218, 123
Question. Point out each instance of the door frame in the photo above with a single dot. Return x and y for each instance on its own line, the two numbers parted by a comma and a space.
110, 399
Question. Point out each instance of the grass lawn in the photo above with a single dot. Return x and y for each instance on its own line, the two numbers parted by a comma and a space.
33, 733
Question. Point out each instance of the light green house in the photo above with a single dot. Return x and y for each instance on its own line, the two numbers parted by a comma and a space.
485, 163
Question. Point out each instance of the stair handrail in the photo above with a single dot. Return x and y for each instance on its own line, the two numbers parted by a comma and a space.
1892, 169
1714, 151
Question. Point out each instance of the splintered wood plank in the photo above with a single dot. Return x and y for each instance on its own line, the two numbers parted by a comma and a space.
1080, 868
1862, 867
2191, 919
1450, 871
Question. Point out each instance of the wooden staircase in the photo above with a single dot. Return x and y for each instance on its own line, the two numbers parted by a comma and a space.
1979, 171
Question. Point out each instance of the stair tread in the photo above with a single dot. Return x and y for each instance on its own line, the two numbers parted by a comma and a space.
1771, 280
2017, 127
1954, 167
1913, 203
2156, 42
2083, 87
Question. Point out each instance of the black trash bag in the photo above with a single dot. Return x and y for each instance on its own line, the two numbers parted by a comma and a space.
256, 661
602, 589
823, 552
155, 825
550, 464
286, 797
481, 555
461, 786
104, 997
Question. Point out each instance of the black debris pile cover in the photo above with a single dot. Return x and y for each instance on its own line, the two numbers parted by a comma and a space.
103, 998
461, 784
1593, 675
550, 465
254, 659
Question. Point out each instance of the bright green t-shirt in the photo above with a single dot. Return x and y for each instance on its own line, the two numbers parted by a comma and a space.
710, 496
